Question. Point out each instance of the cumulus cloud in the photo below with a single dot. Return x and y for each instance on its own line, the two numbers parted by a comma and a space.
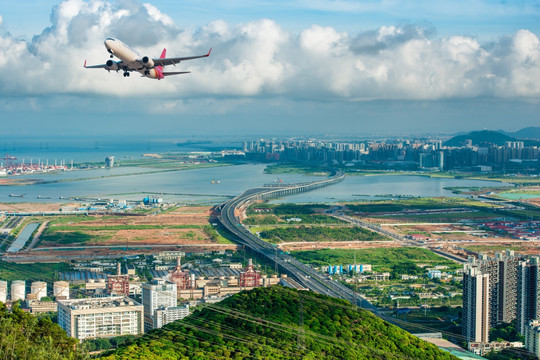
260, 58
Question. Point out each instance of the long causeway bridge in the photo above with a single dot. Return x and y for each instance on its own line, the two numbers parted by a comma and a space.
305, 275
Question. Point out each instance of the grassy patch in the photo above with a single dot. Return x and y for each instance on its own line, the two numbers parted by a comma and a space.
446, 217
380, 259
407, 204
493, 248
295, 169
91, 228
304, 219
287, 209
319, 233
70, 237
31, 272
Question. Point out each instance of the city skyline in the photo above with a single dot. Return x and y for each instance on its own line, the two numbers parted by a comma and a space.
280, 68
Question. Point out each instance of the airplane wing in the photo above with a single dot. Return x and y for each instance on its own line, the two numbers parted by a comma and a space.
172, 61
103, 66
117, 65
176, 73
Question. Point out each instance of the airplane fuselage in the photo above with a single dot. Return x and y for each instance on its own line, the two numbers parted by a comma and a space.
131, 58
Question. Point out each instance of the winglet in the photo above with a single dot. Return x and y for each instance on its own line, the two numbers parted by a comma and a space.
209, 51
84, 63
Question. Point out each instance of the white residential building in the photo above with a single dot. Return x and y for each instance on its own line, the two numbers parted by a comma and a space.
100, 317
476, 305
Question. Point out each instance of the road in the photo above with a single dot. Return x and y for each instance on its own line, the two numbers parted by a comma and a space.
302, 273
336, 212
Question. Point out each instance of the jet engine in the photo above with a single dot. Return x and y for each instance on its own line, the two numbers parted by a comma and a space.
148, 62
111, 65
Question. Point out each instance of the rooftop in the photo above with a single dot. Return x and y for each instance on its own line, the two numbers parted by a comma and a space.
99, 303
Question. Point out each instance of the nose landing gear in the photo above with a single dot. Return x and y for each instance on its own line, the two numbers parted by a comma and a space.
126, 74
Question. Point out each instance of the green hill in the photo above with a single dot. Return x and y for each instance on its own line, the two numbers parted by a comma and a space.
264, 324
480, 138
24, 336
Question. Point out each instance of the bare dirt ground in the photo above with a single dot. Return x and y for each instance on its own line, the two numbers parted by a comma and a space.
101, 253
438, 232
144, 236
196, 216
307, 245
164, 234
30, 207
534, 201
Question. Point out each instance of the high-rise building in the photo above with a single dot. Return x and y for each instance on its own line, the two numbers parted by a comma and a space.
528, 291
160, 304
532, 337
502, 271
100, 317
507, 291
476, 292
109, 161
490, 293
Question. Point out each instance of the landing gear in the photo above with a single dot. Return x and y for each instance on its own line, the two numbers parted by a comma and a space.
111, 56
146, 72
126, 74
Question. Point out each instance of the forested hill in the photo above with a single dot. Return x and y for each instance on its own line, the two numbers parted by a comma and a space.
24, 336
264, 324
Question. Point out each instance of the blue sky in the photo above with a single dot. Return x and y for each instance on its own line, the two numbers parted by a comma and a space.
278, 67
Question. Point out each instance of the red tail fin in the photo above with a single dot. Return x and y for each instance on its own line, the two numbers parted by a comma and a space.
163, 54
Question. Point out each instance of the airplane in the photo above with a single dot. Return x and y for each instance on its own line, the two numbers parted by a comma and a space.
131, 60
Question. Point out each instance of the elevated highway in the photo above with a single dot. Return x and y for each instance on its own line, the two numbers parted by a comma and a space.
302, 273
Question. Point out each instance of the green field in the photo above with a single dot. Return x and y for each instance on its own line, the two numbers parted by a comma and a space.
31, 272
304, 219
414, 204
380, 259
295, 169
286, 209
319, 233
489, 249
64, 234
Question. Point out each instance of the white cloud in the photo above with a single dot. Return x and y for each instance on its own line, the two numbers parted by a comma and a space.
260, 58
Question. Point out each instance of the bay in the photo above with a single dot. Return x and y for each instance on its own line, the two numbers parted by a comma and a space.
214, 185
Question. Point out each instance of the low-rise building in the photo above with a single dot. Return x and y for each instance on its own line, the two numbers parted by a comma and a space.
38, 307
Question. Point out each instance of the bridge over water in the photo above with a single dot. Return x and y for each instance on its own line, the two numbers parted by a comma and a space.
304, 274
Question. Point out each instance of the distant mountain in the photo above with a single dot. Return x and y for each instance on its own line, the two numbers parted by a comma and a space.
480, 138
525, 133
266, 323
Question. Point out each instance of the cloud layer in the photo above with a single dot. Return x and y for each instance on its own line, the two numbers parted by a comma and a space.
260, 58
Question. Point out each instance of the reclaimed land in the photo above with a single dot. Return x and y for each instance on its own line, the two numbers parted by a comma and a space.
179, 226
